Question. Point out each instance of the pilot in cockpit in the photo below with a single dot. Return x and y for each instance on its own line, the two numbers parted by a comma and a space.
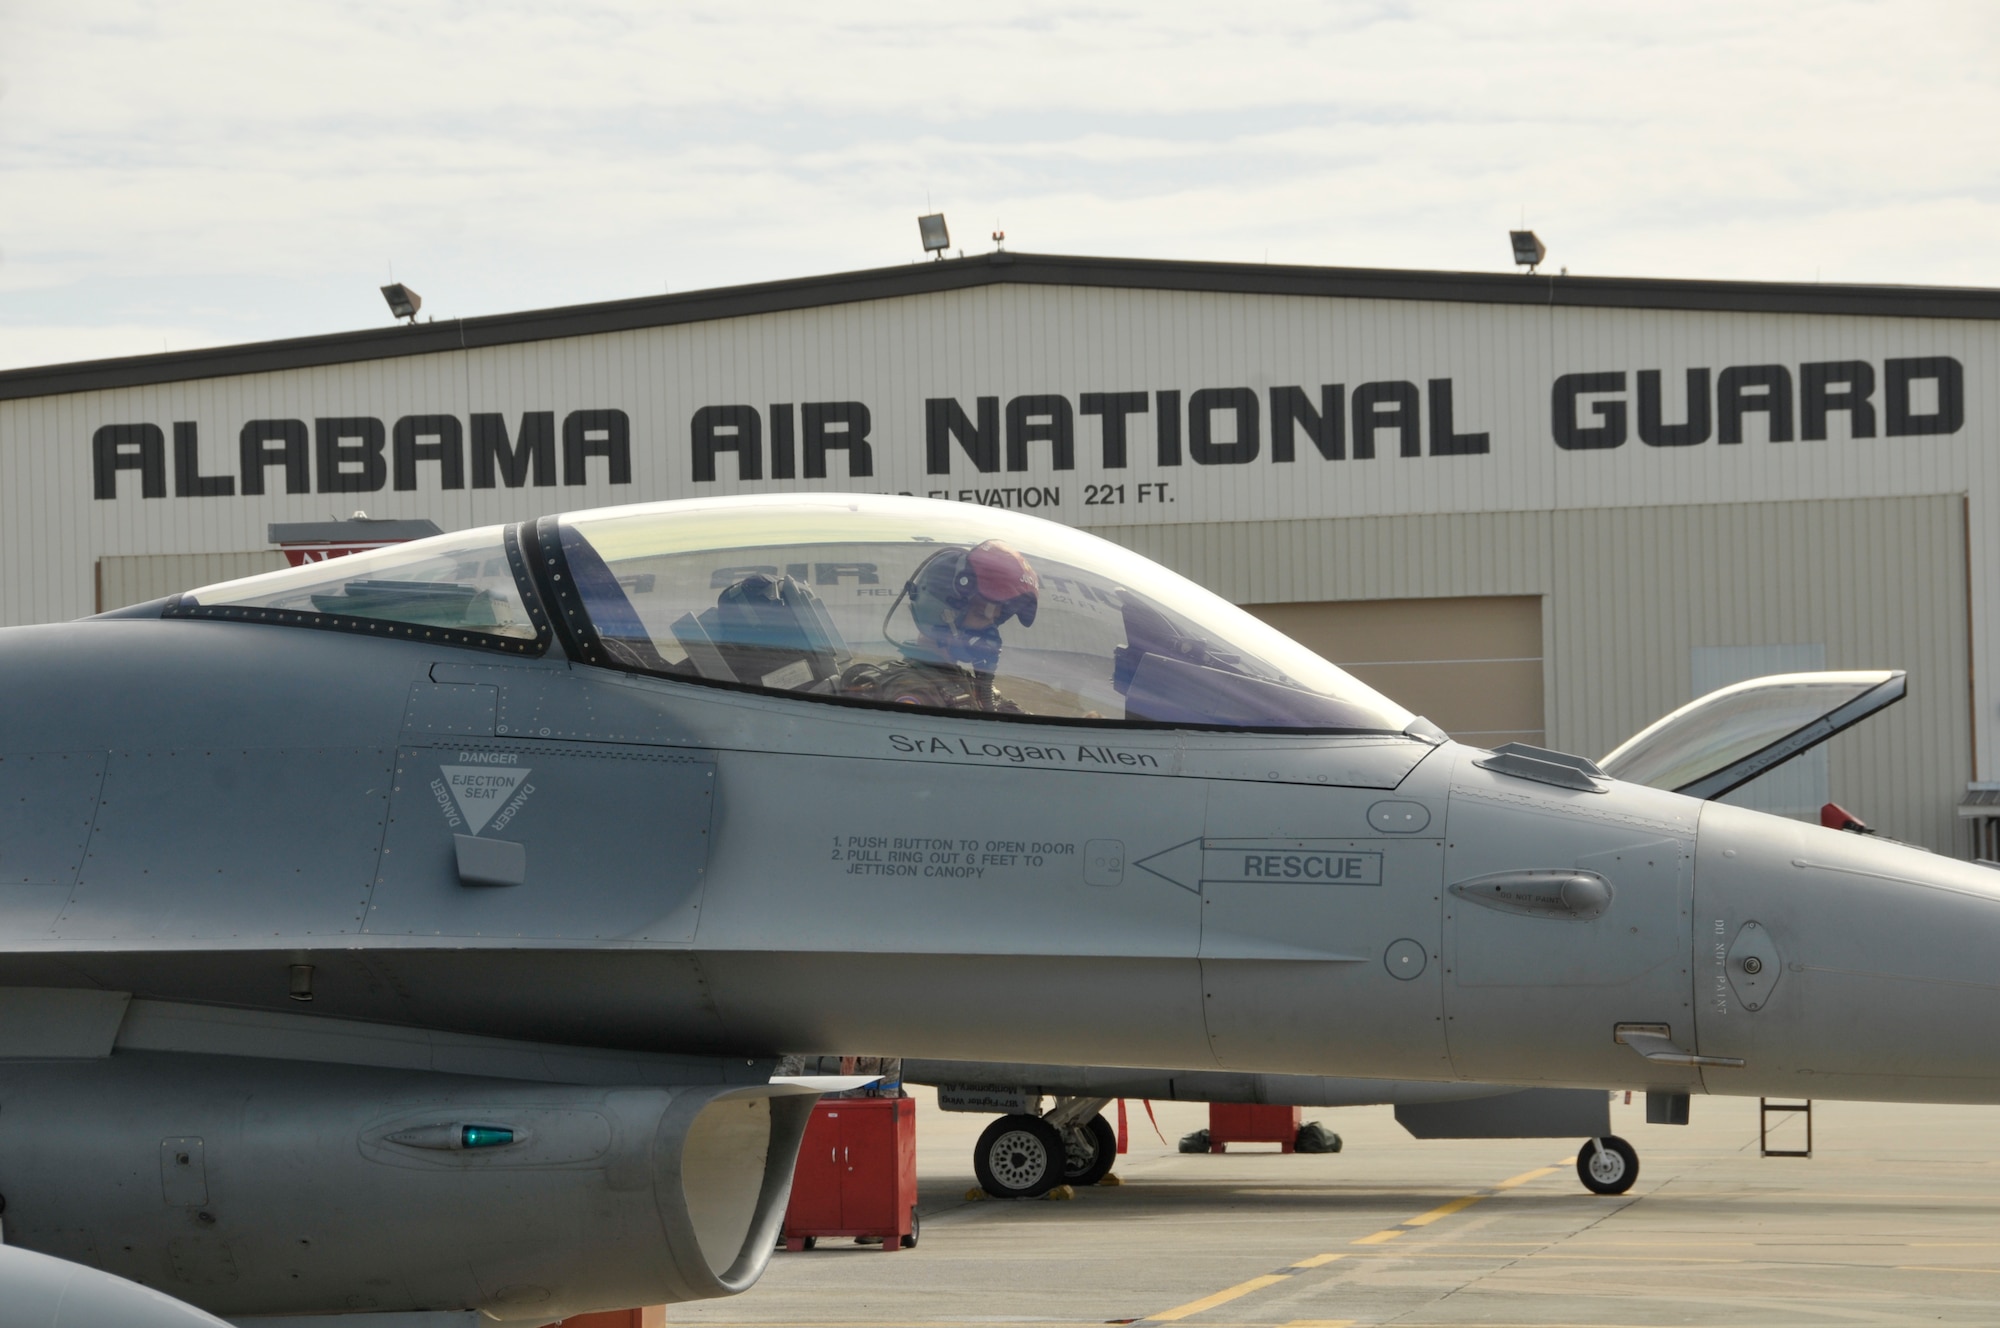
959, 599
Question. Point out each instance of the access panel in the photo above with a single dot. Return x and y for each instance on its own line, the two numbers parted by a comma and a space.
1566, 914
1319, 934
544, 840
229, 843
48, 801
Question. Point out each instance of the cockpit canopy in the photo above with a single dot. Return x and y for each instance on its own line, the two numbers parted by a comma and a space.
855, 599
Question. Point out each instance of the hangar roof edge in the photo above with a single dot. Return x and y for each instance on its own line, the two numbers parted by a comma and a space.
1003, 268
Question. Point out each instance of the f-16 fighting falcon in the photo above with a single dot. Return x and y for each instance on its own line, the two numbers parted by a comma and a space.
421, 930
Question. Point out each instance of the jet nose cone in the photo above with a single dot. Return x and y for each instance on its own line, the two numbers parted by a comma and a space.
1837, 965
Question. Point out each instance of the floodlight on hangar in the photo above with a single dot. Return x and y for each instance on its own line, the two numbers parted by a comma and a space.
936, 238
1528, 251
403, 302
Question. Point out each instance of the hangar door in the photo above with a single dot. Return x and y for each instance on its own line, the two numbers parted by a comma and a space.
1472, 665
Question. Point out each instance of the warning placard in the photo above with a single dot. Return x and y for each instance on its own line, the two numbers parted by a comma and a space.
480, 790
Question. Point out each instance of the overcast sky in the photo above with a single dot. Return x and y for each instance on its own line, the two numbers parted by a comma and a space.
212, 171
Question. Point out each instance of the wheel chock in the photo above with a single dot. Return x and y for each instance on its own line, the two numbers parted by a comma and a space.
1061, 1192
974, 1195
1111, 1178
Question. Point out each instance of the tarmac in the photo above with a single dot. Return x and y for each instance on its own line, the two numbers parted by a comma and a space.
1895, 1219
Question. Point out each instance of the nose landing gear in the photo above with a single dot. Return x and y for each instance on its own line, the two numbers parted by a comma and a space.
1607, 1165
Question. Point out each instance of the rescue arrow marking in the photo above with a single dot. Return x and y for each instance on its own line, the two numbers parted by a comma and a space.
1257, 861
1180, 865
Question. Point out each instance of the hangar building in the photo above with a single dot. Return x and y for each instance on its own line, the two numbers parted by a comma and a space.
1533, 507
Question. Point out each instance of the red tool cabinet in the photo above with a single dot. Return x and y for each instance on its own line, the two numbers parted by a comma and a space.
1252, 1123
857, 1173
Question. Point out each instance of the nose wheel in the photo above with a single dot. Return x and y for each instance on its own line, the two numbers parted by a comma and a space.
1608, 1165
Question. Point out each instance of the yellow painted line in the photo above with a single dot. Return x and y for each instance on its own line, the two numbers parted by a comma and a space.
1536, 1174
1457, 1205
1219, 1298
1317, 1261
1442, 1211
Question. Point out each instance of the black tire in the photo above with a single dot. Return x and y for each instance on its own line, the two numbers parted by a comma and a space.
1090, 1150
1611, 1171
810, 1241
1018, 1157
1194, 1143
910, 1241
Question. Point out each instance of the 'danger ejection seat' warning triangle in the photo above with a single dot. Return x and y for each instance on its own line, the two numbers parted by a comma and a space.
481, 790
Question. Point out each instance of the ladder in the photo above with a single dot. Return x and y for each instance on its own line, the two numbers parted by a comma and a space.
1766, 1109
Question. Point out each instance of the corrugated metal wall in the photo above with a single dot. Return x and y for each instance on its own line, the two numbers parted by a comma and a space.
1007, 342
1630, 593
134, 579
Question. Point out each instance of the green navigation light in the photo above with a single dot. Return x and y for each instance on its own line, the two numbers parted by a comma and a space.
485, 1136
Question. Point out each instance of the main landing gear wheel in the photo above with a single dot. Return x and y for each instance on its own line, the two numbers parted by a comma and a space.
1609, 1169
1018, 1157
1089, 1150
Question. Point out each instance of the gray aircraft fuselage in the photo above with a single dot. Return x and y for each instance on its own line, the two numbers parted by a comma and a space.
189, 809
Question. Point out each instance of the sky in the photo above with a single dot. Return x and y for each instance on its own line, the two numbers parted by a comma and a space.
212, 171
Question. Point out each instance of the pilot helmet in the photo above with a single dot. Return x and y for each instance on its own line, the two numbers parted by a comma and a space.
952, 581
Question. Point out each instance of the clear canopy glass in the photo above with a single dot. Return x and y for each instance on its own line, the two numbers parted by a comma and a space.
1725, 739
459, 580
944, 606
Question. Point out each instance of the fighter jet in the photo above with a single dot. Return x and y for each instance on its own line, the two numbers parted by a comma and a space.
420, 931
